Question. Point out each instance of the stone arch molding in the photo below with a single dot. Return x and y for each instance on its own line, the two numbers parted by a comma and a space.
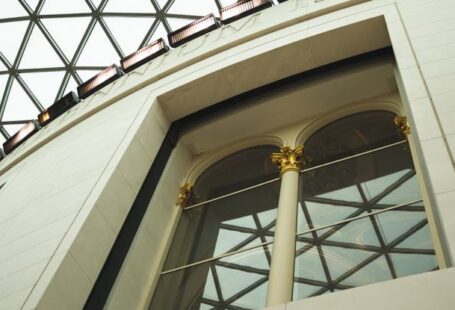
391, 104
297, 137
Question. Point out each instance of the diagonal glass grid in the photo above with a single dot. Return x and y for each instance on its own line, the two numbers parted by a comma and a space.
69, 36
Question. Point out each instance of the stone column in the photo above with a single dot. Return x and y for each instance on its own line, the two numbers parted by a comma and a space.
282, 267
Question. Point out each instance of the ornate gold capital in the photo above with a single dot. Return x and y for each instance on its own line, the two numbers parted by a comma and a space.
401, 122
288, 159
184, 195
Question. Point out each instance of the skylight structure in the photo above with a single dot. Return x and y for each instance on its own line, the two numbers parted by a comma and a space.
50, 47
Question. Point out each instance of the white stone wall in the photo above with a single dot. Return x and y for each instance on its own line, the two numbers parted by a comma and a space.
426, 60
134, 285
62, 206
78, 177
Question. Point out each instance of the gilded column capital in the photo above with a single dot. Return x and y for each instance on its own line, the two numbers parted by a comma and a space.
288, 159
401, 122
184, 195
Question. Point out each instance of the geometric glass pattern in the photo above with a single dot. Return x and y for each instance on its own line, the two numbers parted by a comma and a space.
366, 228
374, 248
49, 47
360, 219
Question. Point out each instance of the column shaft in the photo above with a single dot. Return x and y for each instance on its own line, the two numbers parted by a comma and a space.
282, 267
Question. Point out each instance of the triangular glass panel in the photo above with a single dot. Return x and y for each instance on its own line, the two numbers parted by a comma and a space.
308, 264
302, 223
12, 129
255, 299
326, 214
245, 221
67, 32
409, 264
350, 194
39, 53
321, 232
376, 271
341, 260
406, 192
228, 239
3, 81
32, 4
13, 34
98, 51
255, 258
210, 288
2, 139
162, 3
96, 3
160, 32
360, 232
200, 7
86, 75
267, 217
67, 6
11, 8
129, 32
177, 23
233, 281
44, 85
19, 105
421, 239
205, 307
253, 243
375, 187
395, 223
302, 290
71, 86
122, 6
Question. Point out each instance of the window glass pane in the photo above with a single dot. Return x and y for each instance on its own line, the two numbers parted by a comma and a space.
11, 8
348, 188
20, 106
68, 6
91, 55
47, 55
373, 248
58, 29
236, 171
239, 280
418, 240
363, 251
39, 84
12, 34
121, 27
200, 7
140, 6
351, 135
235, 222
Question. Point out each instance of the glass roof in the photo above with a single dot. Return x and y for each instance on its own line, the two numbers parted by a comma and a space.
48, 47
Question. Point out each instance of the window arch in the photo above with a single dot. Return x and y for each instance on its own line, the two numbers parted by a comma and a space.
350, 135
227, 212
357, 167
360, 219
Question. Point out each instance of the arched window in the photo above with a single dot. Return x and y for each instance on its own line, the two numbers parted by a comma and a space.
355, 167
224, 215
359, 219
